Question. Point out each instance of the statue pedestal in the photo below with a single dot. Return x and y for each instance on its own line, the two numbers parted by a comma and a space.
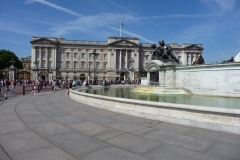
156, 73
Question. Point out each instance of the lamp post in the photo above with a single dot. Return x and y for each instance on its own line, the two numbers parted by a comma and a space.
89, 71
94, 57
35, 70
11, 70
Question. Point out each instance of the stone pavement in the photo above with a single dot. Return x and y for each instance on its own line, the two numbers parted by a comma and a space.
51, 126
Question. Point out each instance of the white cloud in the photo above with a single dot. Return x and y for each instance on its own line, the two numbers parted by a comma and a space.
132, 34
225, 5
90, 23
53, 6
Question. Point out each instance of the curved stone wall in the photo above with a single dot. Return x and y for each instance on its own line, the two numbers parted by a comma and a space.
219, 119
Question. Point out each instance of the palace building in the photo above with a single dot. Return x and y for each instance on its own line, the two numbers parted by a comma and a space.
116, 58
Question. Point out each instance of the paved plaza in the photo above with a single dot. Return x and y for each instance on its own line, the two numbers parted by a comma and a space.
51, 126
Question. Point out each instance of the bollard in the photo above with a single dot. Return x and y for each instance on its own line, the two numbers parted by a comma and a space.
23, 90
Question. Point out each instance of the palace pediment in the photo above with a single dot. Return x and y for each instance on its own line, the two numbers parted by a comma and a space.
193, 47
123, 43
42, 41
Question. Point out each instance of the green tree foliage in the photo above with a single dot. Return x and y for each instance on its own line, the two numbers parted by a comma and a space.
6, 56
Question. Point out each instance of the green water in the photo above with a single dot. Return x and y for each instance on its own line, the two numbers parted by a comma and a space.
125, 92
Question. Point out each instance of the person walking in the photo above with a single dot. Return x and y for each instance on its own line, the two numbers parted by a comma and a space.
33, 89
54, 85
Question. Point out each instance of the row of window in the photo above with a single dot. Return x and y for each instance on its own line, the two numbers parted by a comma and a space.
68, 55
83, 65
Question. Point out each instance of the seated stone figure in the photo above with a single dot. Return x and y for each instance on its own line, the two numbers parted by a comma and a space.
163, 52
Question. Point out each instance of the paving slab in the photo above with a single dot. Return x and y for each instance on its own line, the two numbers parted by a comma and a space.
169, 152
28, 112
34, 119
9, 117
12, 126
109, 134
81, 113
21, 142
170, 127
125, 127
53, 112
225, 151
47, 153
3, 155
112, 153
100, 120
134, 144
215, 136
187, 142
89, 128
144, 131
49, 128
76, 143
66, 119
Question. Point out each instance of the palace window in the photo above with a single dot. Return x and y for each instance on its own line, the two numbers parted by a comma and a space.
50, 64
105, 56
83, 54
90, 55
60, 65
97, 65
67, 65
104, 66
82, 65
68, 55
75, 55
90, 65
75, 65
49, 54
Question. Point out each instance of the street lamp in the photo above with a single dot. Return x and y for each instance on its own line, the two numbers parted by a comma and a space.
11, 70
35, 70
94, 57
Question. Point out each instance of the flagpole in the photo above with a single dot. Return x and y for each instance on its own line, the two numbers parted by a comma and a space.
120, 29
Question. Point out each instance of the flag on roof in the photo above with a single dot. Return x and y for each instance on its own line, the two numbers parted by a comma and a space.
121, 24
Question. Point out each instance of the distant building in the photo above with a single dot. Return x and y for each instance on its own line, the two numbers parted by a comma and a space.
57, 58
24, 73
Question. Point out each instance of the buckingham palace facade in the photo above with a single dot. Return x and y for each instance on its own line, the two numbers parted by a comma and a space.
57, 58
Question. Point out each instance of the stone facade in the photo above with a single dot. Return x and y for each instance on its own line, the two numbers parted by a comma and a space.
59, 58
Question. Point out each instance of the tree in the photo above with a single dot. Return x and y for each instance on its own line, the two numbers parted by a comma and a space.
6, 56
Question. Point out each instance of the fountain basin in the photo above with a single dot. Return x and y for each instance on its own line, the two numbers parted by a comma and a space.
219, 119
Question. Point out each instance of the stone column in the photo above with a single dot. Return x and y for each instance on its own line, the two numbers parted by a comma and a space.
120, 59
114, 62
148, 78
33, 58
136, 60
109, 59
126, 60
47, 60
40, 57
160, 77
54, 59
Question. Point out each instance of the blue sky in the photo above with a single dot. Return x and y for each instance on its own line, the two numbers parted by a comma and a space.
213, 23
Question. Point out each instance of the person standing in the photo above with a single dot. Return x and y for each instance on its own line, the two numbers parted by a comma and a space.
67, 87
54, 85
1, 84
33, 89
13, 85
